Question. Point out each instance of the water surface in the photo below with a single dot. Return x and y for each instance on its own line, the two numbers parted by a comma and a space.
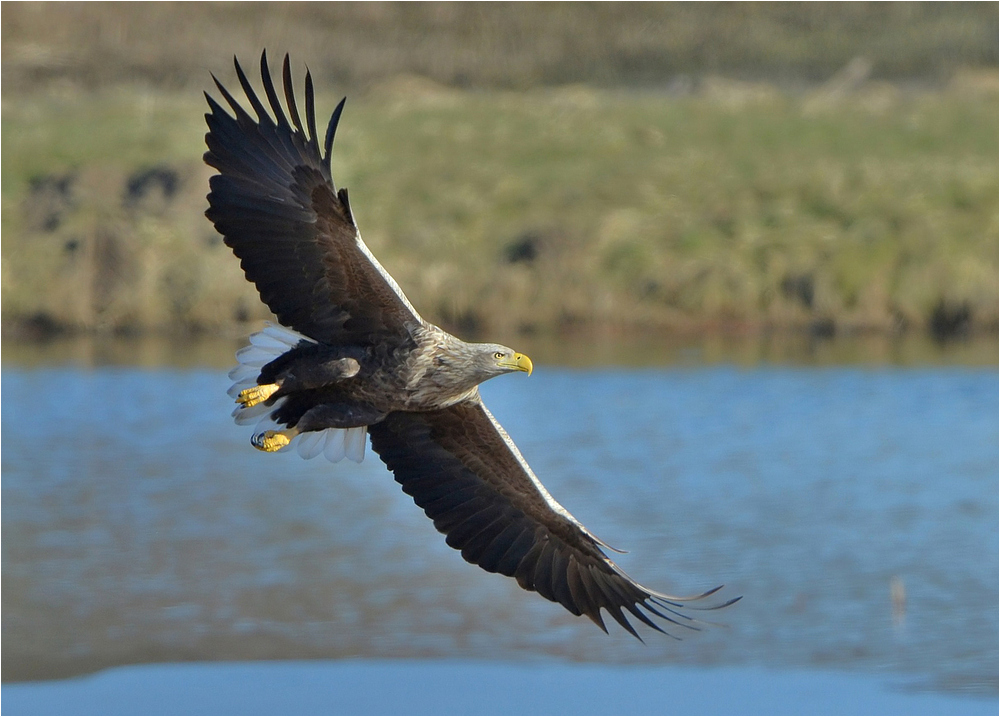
140, 526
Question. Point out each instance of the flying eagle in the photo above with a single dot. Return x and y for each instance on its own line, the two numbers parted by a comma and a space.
352, 356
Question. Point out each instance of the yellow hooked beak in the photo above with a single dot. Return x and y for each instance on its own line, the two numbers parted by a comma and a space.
519, 362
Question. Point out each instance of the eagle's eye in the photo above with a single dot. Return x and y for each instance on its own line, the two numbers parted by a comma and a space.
498, 355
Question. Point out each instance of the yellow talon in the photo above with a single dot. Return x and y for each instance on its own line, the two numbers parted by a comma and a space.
271, 441
256, 394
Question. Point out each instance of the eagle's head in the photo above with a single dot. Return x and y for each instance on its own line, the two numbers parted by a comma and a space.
491, 360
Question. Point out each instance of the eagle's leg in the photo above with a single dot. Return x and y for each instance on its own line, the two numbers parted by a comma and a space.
271, 441
256, 394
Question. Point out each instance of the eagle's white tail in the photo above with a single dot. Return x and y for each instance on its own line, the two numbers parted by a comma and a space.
265, 346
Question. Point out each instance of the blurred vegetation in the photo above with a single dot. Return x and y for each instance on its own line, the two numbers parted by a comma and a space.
698, 176
494, 45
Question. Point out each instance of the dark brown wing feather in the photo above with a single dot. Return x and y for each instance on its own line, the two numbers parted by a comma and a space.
470, 480
275, 203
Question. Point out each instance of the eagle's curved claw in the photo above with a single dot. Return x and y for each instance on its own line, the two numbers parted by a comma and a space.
270, 441
256, 394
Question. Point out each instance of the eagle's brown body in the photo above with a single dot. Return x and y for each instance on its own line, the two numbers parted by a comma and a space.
347, 386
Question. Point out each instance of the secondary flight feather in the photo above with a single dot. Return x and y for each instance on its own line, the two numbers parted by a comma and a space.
351, 357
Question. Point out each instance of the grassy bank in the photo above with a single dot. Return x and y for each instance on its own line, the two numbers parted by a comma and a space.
650, 193
736, 207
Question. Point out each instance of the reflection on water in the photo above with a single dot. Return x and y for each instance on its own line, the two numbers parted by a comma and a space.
139, 525
610, 349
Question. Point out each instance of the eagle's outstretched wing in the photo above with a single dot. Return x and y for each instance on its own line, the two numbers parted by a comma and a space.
462, 468
275, 203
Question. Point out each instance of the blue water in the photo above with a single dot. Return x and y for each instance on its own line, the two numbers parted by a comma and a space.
140, 526
422, 687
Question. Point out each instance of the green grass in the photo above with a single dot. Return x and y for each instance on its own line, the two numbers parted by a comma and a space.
726, 209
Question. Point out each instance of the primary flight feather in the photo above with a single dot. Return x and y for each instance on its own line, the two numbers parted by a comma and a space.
352, 356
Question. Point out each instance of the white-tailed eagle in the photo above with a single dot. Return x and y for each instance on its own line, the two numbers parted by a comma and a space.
352, 356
